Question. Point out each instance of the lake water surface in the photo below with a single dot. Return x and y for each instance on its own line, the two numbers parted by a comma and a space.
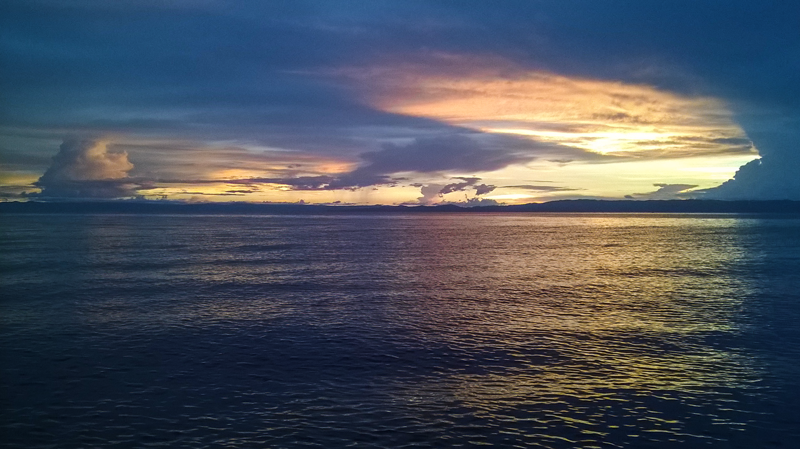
423, 330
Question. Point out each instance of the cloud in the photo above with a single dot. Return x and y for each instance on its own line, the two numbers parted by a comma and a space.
78, 162
777, 174
483, 189
389, 166
86, 169
465, 184
440, 154
260, 73
459, 186
665, 192
431, 193
499, 96
85, 160
12, 194
766, 178
540, 188
475, 202
443, 153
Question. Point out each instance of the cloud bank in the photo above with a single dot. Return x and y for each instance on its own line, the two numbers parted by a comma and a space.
767, 178
776, 175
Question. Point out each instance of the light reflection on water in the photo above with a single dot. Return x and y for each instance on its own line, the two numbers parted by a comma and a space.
415, 330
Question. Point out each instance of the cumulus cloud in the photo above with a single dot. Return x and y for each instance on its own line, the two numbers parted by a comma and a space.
766, 178
431, 193
474, 202
775, 175
86, 169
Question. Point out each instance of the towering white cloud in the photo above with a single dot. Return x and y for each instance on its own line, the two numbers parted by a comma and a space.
86, 169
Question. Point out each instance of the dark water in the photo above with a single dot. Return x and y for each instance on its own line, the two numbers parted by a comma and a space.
555, 331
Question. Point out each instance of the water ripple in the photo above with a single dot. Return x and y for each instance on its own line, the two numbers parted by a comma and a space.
551, 331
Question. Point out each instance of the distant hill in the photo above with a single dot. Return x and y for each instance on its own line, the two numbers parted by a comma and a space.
587, 206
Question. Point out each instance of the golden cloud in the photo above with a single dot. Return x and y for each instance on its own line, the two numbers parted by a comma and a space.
607, 117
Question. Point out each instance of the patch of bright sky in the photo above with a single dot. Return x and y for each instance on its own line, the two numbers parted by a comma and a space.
277, 193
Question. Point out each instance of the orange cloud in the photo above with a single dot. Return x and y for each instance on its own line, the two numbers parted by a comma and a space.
607, 117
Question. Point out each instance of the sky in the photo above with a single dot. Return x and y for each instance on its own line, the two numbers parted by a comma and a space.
399, 102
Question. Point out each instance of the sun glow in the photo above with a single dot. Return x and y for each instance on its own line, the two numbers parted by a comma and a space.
603, 138
598, 142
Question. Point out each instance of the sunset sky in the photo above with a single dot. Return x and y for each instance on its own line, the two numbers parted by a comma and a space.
399, 102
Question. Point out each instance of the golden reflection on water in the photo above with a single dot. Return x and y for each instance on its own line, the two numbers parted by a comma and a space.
547, 310
562, 311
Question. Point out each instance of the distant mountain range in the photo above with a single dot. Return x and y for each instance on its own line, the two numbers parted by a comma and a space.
586, 206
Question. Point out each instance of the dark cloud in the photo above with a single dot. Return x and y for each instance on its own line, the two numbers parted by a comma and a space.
665, 192
443, 153
96, 189
766, 178
483, 189
296, 183
467, 183
433, 193
229, 49
775, 175
20, 160
12, 194
440, 154
459, 186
